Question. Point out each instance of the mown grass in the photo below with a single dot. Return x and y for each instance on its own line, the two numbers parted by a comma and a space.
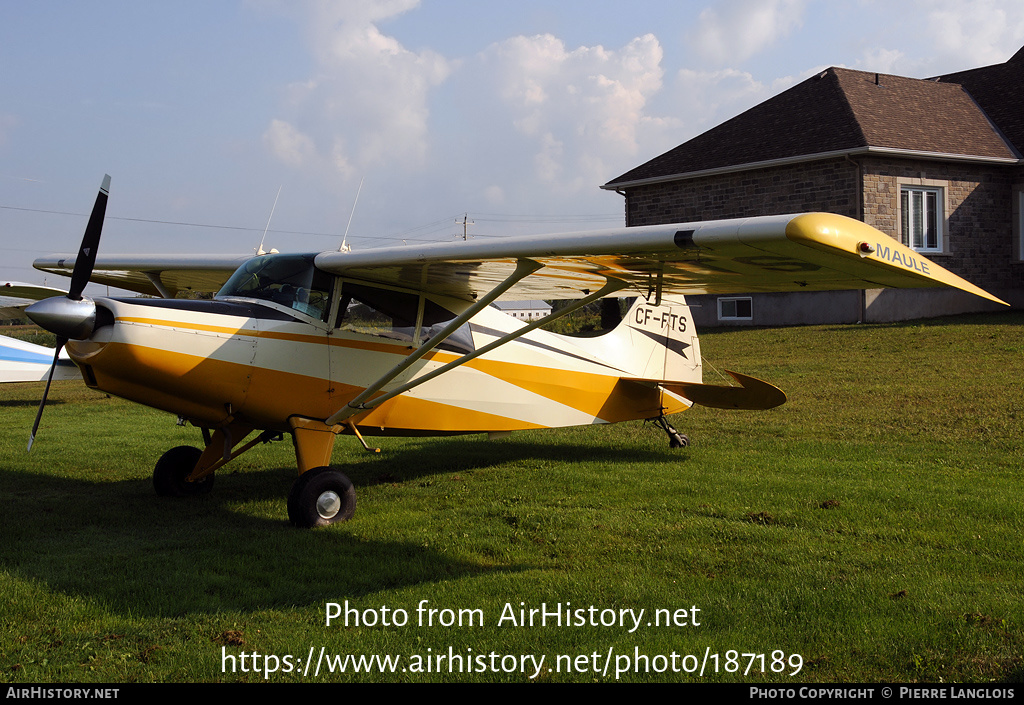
871, 525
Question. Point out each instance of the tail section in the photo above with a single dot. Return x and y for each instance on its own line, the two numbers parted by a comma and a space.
655, 342
656, 345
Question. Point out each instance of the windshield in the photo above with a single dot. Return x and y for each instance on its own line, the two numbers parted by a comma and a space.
289, 280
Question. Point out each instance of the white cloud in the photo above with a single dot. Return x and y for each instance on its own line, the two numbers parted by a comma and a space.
495, 195
288, 144
367, 104
578, 110
978, 32
891, 61
734, 30
549, 159
947, 35
711, 97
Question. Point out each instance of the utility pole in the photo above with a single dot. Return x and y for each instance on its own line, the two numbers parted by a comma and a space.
466, 222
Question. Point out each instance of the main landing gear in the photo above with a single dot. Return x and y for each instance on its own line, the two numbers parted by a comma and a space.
675, 438
319, 497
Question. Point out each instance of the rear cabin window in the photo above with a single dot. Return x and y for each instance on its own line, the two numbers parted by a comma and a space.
392, 314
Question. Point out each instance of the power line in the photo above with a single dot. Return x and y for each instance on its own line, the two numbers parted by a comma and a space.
578, 218
419, 233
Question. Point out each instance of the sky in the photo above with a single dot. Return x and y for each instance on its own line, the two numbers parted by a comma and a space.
509, 115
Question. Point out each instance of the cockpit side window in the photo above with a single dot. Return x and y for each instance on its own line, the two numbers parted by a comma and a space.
367, 309
392, 314
289, 280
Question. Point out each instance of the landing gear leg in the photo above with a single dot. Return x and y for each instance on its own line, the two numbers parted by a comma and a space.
675, 438
321, 495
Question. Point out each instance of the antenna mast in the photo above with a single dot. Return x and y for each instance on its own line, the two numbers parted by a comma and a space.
344, 246
260, 250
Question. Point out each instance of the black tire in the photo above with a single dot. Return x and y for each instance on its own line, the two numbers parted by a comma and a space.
172, 469
321, 497
678, 440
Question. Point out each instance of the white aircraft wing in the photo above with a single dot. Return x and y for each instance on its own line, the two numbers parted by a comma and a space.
21, 290
13, 297
156, 275
27, 362
806, 252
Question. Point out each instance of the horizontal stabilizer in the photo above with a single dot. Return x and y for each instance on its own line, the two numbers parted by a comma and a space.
753, 394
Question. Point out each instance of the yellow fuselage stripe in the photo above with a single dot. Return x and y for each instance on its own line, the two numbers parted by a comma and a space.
203, 386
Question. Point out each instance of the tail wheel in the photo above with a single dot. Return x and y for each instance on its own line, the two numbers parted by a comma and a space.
321, 497
172, 469
675, 438
678, 440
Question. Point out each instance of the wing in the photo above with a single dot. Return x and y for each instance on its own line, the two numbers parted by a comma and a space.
27, 362
12, 311
20, 290
13, 295
806, 252
156, 275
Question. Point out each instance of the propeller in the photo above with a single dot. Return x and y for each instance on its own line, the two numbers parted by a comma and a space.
72, 317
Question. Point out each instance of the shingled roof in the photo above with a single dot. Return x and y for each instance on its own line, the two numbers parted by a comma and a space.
842, 111
997, 90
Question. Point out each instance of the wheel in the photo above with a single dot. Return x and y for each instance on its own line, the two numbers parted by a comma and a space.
320, 497
172, 469
678, 440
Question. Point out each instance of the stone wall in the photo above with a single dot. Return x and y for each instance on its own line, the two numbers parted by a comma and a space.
978, 228
979, 236
828, 185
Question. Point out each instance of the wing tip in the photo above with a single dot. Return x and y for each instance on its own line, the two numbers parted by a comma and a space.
839, 233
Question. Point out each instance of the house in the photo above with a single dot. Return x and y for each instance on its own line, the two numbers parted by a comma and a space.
935, 163
524, 310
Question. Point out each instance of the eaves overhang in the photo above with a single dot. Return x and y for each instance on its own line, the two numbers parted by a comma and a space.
819, 156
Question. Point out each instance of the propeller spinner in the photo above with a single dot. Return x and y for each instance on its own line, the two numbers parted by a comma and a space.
72, 317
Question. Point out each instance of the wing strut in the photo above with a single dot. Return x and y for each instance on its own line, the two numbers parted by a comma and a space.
158, 284
360, 403
524, 268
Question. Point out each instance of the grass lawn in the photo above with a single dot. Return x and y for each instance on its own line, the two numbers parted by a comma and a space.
868, 530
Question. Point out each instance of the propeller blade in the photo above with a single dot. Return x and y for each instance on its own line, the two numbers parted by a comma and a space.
46, 392
71, 319
90, 242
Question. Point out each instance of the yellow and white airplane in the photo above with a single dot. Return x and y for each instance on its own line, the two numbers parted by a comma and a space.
404, 340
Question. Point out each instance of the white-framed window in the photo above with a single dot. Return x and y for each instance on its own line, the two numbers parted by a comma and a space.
735, 308
922, 217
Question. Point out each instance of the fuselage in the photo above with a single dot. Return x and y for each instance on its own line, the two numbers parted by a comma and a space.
261, 362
